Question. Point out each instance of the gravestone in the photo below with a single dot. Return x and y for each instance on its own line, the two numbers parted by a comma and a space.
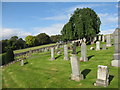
116, 56
22, 62
52, 53
65, 52
75, 65
74, 48
104, 47
99, 38
84, 39
108, 40
102, 76
103, 38
83, 52
97, 46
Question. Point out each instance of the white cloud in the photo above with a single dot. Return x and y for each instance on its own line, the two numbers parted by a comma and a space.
109, 31
108, 18
9, 32
50, 30
60, 17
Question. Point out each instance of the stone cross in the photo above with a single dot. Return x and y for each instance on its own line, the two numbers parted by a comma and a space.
116, 61
102, 76
65, 52
97, 46
83, 52
52, 53
75, 65
108, 41
22, 62
103, 38
99, 37
104, 47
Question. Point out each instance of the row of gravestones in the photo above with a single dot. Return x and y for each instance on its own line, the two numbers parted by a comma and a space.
103, 74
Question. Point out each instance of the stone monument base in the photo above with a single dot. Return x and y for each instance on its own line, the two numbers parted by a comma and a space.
83, 59
97, 49
101, 83
52, 59
77, 77
115, 63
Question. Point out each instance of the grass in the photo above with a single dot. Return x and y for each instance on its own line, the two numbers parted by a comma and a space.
40, 72
32, 48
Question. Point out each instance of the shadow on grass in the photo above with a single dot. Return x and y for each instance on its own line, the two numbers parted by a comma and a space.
78, 52
110, 78
58, 56
90, 57
85, 72
25, 63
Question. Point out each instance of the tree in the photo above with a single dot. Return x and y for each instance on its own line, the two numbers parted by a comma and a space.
55, 38
31, 40
9, 56
83, 23
43, 38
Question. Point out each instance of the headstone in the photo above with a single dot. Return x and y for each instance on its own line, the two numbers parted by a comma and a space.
116, 56
104, 47
102, 76
84, 39
103, 38
65, 52
97, 46
99, 38
108, 41
22, 62
83, 52
91, 48
75, 65
52, 53
74, 48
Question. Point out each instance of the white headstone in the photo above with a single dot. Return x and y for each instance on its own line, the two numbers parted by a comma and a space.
97, 45
52, 53
65, 52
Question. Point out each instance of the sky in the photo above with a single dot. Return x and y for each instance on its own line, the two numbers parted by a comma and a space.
31, 18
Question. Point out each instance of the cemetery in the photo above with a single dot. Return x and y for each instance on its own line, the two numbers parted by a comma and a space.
79, 67
82, 55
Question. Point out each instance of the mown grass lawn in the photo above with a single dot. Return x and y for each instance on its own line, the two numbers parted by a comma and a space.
40, 72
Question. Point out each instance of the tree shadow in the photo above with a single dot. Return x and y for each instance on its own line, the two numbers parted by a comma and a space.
110, 78
90, 57
85, 72
58, 56
78, 52
25, 63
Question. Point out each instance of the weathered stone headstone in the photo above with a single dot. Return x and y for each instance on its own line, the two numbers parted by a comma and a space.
74, 48
75, 65
116, 56
97, 45
83, 53
99, 37
102, 76
22, 62
108, 40
104, 47
84, 39
103, 38
52, 53
65, 52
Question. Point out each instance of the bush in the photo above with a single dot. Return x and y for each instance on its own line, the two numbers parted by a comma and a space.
9, 56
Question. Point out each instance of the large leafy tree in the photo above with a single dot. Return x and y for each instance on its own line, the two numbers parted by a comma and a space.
43, 38
55, 38
83, 23
31, 40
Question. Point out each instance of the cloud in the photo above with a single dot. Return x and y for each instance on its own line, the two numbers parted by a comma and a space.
108, 18
9, 32
50, 30
60, 17
109, 31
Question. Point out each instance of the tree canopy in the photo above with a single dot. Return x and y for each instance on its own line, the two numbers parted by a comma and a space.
82, 23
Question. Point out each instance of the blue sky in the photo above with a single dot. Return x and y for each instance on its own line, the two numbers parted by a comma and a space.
32, 18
